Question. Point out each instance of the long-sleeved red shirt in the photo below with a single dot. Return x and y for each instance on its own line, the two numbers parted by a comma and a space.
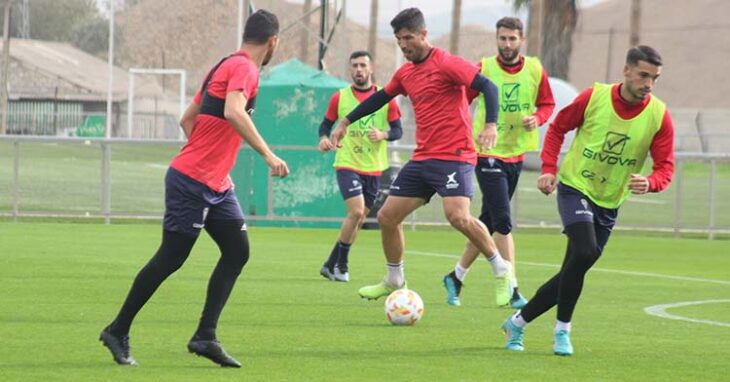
572, 117
544, 103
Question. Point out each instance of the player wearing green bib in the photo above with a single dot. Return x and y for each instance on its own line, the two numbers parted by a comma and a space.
526, 102
617, 127
361, 159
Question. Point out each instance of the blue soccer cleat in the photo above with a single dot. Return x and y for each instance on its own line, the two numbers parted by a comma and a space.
515, 335
561, 343
453, 289
518, 302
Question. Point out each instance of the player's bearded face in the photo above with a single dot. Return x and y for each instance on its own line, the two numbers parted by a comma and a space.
360, 71
412, 44
509, 42
640, 79
270, 52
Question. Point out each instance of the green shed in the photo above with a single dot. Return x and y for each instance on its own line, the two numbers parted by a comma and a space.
290, 105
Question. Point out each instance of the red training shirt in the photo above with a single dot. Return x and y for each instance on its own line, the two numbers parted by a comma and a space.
213, 146
437, 88
571, 117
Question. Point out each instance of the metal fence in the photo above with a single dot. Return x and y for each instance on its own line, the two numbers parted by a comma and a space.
123, 179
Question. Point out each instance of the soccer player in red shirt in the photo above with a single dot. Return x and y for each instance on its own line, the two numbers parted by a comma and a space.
617, 126
444, 159
199, 193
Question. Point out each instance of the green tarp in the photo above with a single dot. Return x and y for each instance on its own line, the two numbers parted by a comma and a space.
290, 105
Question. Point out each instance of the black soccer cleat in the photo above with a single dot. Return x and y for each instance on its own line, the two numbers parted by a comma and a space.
118, 346
212, 350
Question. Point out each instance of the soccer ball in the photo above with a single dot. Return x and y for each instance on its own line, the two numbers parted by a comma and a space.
403, 307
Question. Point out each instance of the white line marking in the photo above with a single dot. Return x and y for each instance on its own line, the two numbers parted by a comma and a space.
656, 310
617, 271
660, 311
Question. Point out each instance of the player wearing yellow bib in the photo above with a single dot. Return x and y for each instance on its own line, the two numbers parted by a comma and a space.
361, 159
617, 127
525, 102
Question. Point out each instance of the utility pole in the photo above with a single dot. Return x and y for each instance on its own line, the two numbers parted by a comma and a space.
6, 66
322, 33
373, 32
304, 37
455, 27
635, 23
534, 28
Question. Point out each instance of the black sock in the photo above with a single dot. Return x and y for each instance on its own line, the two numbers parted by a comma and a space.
171, 255
334, 255
344, 254
515, 293
204, 334
234, 247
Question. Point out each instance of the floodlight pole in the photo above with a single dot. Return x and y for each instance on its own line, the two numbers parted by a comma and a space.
110, 72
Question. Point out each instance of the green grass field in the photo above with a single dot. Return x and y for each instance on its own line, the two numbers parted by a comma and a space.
61, 283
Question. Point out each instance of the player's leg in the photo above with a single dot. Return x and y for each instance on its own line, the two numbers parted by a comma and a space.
453, 182
226, 226
185, 214
495, 180
587, 242
453, 281
351, 188
370, 186
407, 193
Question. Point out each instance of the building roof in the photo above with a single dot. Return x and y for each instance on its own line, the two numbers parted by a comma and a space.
52, 70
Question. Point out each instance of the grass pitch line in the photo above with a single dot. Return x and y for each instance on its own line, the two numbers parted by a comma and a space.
660, 311
604, 270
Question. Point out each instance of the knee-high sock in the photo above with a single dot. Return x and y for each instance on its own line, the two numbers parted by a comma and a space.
234, 246
171, 255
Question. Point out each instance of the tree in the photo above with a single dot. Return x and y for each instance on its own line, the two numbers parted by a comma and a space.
559, 19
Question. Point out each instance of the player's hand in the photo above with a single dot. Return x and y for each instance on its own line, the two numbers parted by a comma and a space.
529, 123
376, 135
278, 167
338, 134
638, 184
487, 139
546, 183
325, 144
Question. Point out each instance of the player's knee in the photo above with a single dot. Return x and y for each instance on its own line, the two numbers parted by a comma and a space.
386, 220
459, 220
357, 213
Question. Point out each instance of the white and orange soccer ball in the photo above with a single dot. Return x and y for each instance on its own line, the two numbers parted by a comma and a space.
403, 307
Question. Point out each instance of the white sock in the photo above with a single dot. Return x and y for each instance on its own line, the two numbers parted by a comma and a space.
560, 325
460, 271
395, 278
518, 320
514, 281
499, 266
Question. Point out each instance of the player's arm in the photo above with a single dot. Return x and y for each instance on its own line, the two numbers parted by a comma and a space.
368, 106
325, 128
544, 105
662, 154
487, 138
571, 117
187, 122
236, 115
396, 129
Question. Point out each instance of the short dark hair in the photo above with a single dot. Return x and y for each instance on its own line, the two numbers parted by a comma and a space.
511, 23
643, 53
260, 26
409, 18
360, 53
